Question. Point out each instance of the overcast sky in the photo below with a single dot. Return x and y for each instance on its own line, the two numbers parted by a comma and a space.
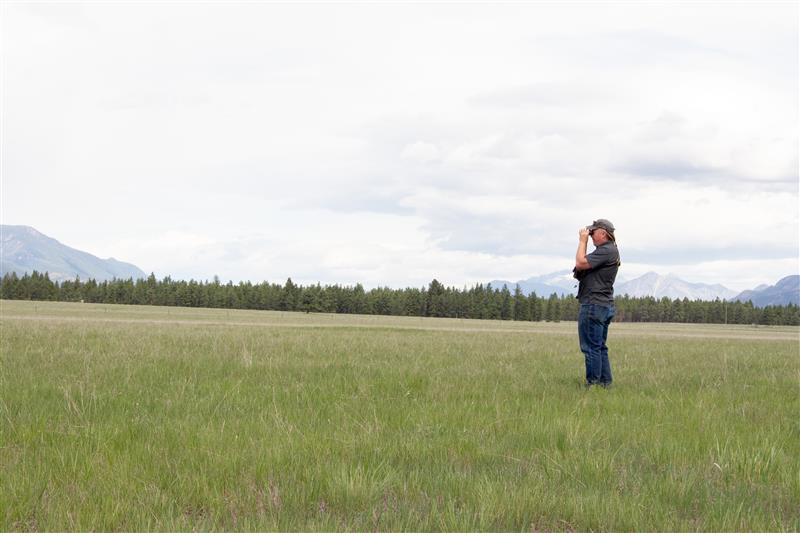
390, 144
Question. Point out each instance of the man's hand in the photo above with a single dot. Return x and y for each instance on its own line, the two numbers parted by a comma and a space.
581, 263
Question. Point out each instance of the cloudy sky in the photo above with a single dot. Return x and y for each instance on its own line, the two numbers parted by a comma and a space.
389, 144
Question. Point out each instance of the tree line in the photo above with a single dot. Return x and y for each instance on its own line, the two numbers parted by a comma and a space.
436, 300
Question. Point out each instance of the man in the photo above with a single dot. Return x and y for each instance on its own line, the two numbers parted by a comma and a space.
596, 273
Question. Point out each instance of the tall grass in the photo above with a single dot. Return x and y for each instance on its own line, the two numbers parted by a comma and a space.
117, 417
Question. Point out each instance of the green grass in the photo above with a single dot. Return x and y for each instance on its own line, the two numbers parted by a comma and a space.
146, 418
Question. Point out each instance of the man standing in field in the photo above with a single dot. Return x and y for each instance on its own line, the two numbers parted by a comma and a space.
596, 273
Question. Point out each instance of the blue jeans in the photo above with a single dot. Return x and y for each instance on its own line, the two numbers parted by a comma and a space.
593, 322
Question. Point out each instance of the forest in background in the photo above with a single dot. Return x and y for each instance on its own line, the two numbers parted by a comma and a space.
436, 300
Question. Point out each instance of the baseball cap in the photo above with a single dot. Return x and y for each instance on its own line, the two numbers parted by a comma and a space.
602, 223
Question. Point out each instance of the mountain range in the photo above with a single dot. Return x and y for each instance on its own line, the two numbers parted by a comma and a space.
671, 286
23, 249
784, 292
562, 283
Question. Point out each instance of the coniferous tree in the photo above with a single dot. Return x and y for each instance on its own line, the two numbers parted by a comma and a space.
506, 304
522, 310
553, 309
435, 300
535, 311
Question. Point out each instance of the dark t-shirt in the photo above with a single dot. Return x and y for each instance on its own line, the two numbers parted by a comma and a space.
597, 284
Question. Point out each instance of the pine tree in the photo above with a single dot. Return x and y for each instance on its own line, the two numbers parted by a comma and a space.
435, 301
521, 308
506, 304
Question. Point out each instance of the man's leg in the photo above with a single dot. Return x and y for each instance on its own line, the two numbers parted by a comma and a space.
590, 333
605, 373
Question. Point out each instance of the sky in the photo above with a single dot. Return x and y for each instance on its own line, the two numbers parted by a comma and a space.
389, 144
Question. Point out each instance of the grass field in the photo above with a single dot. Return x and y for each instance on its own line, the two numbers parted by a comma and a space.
147, 418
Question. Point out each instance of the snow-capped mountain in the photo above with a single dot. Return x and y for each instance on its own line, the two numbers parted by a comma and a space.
671, 286
560, 282
650, 284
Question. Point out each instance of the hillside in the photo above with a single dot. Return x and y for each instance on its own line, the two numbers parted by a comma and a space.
24, 249
786, 291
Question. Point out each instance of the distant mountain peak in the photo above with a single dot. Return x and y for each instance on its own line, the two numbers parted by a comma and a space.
785, 291
24, 249
561, 283
670, 285
649, 284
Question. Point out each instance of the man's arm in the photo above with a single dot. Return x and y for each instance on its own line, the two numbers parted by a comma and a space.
581, 263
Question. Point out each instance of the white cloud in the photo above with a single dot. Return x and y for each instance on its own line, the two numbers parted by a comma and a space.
421, 151
390, 143
674, 219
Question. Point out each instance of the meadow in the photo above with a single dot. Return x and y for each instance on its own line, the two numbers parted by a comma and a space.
152, 418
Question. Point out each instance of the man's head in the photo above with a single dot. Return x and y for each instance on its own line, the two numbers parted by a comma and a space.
601, 231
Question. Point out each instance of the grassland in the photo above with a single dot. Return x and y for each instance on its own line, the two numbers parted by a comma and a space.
146, 418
